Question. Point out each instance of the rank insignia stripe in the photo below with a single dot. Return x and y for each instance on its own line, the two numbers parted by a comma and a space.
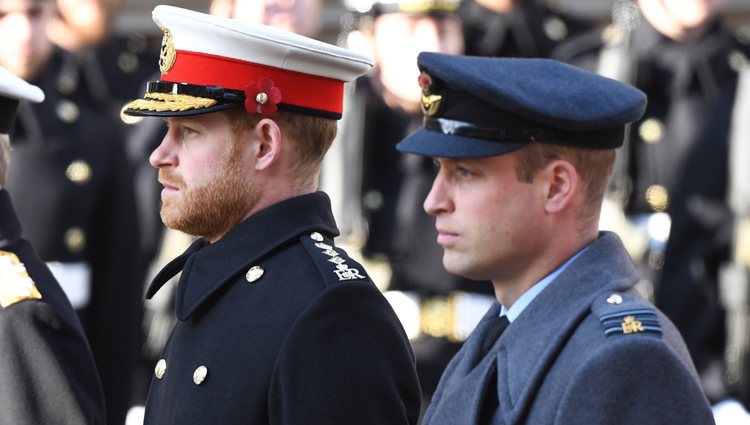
631, 322
334, 265
15, 283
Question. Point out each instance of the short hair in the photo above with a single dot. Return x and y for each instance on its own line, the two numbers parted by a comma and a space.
310, 136
4, 157
593, 165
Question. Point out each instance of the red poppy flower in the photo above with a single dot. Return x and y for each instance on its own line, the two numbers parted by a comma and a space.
261, 97
424, 82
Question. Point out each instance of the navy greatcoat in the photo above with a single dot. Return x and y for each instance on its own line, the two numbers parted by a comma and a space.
48, 373
277, 326
567, 359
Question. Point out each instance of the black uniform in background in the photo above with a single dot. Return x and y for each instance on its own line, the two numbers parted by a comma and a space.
530, 29
395, 185
72, 185
48, 374
678, 155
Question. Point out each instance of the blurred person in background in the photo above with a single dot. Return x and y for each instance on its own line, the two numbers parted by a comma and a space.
393, 235
297, 16
72, 186
516, 28
48, 374
671, 181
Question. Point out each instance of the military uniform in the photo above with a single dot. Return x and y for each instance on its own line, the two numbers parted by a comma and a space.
588, 350
564, 351
275, 324
530, 29
295, 318
397, 233
684, 133
72, 186
49, 375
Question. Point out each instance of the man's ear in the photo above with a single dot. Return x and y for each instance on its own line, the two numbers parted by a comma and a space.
562, 182
269, 143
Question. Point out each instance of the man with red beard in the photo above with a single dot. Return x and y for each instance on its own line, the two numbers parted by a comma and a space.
275, 324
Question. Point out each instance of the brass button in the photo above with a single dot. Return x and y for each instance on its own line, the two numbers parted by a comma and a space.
67, 111
657, 197
160, 369
615, 299
254, 273
200, 375
737, 60
75, 239
79, 172
555, 29
127, 62
316, 236
612, 35
651, 130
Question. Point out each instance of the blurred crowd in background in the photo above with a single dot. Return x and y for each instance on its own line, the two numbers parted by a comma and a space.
679, 197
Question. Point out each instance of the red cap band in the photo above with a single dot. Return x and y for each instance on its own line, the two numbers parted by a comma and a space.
298, 89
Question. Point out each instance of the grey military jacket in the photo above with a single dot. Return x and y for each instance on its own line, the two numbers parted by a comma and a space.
587, 350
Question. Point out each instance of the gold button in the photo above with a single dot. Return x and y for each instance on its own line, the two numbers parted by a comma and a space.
127, 62
75, 239
67, 111
200, 375
160, 369
737, 60
612, 35
79, 172
651, 130
254, 273
615, 299
657, 197
555, 29
316, 236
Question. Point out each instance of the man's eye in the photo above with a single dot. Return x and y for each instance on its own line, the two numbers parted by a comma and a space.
463, 172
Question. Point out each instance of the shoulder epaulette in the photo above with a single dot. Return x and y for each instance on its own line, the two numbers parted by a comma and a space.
334, 264
625, 314
15, 283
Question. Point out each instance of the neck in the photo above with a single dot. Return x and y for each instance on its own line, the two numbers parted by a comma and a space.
510, 288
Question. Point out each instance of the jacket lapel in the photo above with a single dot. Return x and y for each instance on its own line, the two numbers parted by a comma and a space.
531, 343
210, 266
459, 397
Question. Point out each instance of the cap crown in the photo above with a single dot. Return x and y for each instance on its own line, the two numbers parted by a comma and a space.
479, 106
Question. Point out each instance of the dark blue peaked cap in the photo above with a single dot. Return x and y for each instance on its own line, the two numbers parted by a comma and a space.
477, 106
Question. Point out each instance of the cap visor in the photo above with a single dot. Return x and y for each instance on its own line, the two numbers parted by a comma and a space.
439, 145
168, 105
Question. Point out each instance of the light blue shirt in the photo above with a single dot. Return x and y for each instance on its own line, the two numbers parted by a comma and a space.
517, 308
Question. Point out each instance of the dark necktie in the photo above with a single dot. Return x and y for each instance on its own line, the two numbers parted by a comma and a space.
495, 328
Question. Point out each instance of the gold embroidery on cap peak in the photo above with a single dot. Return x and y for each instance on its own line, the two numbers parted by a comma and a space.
161, 102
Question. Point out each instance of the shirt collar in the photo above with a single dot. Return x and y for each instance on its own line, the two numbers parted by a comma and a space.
517, 308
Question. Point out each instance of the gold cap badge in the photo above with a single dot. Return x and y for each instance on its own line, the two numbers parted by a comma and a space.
168, 54
430, 101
